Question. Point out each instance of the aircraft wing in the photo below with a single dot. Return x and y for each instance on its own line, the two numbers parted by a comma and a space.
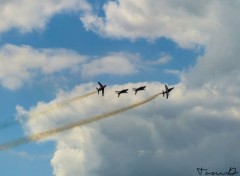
100, 84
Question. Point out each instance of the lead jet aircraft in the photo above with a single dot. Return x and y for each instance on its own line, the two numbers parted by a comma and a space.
137, 89
122, 91
167, 90
101, 88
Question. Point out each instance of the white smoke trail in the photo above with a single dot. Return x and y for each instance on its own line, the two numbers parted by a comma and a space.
11, 122
47, 133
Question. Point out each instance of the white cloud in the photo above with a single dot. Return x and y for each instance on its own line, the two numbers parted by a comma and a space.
164, 59
211, 24
173, 72
186, 23
23, 64
154, 137
198, 126
115, 64
219, 66
20, 64
26, 15
76, 150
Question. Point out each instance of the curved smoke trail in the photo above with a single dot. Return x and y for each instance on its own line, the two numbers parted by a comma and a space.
60, 104
47, 133
52, 107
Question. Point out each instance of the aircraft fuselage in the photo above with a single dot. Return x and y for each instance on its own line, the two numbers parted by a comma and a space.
122, 91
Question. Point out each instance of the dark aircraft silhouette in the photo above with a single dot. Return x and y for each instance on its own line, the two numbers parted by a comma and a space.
101, 88
167, 90
137, 89
122, 91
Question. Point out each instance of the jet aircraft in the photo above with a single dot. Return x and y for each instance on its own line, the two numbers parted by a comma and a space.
122, 91
101, 88
138, 89
167, 90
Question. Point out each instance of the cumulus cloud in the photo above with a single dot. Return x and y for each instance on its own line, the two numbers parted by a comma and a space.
219, 66
185, 23
198, 126
114, 64
173, 136
26, 15
20, 64
76, 153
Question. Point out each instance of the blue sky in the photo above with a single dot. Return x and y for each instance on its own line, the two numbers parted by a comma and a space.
63, 50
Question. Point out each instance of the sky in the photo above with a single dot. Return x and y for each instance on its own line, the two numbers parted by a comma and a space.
53, 53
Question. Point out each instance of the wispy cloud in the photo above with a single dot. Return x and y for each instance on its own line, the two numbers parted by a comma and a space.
20, 64
173, 72
26, 15
164, 59
113, 64
28, 156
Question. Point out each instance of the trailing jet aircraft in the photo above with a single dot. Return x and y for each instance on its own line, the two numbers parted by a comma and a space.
122, 91
167, 90
139, 88
101, 88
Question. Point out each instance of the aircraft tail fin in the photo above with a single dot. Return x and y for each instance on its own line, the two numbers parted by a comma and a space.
135, 89
118, 93
166, 87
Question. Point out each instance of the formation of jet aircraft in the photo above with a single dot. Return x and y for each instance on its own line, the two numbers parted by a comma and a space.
167, 90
